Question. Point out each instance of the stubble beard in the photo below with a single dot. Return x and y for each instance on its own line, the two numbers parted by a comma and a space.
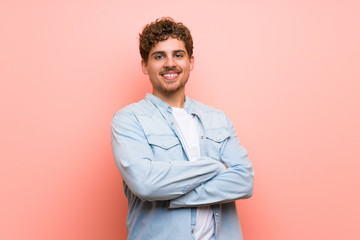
166, 91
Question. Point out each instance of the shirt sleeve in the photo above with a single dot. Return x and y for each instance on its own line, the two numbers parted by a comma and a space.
234, 183
147, 178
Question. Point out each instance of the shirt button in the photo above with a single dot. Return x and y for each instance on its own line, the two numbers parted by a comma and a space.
217, 139
172, 123
165, 145
202, 137
216, 214
192, 230
169, 107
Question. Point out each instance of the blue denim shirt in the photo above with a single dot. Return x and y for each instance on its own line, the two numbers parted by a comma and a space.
163, 188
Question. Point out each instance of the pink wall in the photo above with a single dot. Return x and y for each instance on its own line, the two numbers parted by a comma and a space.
286, 72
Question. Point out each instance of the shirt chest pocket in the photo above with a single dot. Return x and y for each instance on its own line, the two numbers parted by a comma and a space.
215, 139
166, 148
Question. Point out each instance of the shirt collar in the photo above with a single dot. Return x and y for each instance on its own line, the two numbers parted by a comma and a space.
189, 105
157, 101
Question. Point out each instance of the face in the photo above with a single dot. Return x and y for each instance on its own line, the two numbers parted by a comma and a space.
168, 67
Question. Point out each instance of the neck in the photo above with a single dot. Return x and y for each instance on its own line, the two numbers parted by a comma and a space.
176, 99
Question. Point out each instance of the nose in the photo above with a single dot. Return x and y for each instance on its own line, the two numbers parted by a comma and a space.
170, 62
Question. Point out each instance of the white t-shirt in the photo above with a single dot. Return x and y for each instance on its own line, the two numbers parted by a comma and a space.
189, 131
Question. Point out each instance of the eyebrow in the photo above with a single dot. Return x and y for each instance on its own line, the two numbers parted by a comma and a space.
163, 52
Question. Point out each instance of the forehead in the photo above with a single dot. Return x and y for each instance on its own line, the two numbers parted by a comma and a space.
169, 45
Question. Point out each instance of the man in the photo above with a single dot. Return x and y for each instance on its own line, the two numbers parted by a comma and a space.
182, 164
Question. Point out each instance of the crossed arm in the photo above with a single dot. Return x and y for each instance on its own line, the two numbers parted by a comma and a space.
184, 183
234, 183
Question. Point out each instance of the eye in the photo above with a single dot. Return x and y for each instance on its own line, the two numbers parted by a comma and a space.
158, 57
179, 55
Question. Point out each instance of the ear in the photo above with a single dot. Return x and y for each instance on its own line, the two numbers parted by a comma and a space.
144, 67
192, 62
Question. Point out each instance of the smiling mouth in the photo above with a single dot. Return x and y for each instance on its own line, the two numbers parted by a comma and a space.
170, 75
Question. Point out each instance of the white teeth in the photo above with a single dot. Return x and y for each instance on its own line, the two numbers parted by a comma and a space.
170, 75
